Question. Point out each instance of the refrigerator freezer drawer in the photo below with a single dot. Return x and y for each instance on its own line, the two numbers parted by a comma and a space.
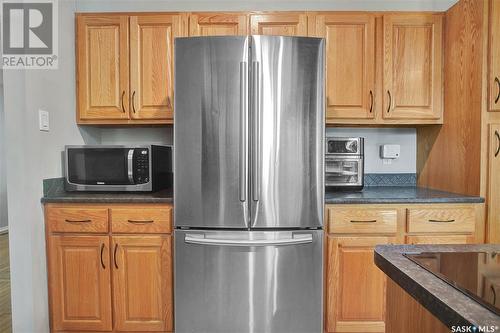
248, 281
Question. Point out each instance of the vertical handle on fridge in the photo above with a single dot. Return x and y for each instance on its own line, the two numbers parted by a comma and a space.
255, 132
243, 130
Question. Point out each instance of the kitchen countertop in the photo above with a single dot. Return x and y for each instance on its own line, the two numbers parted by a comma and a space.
446, 303
397, 194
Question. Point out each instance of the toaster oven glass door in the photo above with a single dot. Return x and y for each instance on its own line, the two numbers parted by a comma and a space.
343, 172
95, 166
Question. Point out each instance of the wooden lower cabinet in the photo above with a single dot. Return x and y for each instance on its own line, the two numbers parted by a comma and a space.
80, 282
142, 280
110, 281
355, 299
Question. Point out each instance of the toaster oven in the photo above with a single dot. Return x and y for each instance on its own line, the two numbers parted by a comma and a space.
344, 163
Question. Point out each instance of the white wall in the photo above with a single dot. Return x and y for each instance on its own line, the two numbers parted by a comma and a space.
375, 137
152, 135
3, 169
33, 155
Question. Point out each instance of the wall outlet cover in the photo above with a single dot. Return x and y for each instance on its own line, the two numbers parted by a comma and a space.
43, 120
390, 151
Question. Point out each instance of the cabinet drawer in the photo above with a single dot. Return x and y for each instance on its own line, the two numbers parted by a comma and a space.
459, 220
359, 220
77, 219
141, 220
440, 239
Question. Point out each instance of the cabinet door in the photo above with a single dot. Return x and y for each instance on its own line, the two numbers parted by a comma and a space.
102, 67
355, 286
350, 66
285, 24
493, 234
494, 56
217, 24
151, 64
79, 283
413, 65
142, 283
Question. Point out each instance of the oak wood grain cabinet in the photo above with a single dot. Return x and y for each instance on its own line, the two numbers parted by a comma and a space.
218, 24
113, 277
355, 298
281, 24
494, 184
125, 67
494, 56
413, 66
350, 63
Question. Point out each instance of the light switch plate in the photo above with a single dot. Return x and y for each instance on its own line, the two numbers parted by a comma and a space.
43, 120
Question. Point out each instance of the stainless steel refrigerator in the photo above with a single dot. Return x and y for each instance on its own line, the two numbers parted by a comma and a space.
249, 184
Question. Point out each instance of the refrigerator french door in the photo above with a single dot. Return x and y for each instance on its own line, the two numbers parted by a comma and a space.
248, 184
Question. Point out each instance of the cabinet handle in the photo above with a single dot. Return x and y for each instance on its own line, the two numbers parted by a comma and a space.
133, 101
123, 106
497, 81
390, 101
498, 143
494, 294
78, 221
102, 261
442, 221
371, 101
363, 221
140, 221
114, 255
169, 104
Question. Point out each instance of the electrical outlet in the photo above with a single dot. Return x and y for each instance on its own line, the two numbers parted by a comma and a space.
43, 120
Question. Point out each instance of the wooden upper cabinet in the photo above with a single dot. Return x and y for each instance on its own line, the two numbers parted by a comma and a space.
350, 63
102, 67
142, 283
355, 298
494, 56
494, 185
79, 283
282, 24
218, 24
152, 65
412, 66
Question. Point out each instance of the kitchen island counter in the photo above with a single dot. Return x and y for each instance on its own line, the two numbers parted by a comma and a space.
446, 303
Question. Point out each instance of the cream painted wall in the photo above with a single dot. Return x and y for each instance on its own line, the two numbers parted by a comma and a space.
33, 155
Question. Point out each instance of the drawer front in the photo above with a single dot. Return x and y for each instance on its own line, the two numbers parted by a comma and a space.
359, 220
141, 220
77, 219
440, 239
434, 220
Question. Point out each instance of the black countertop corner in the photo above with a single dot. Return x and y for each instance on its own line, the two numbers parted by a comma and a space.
397, 194
449, 305
53, 192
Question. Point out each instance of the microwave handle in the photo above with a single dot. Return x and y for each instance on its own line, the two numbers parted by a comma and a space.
130, 166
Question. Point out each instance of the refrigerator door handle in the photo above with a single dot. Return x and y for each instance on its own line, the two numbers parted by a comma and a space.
294, 240
243, 130
255, 134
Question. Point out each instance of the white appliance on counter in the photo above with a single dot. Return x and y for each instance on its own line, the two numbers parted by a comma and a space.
249, 184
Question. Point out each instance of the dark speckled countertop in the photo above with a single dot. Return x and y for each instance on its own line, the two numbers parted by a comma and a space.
446, 303
397, 194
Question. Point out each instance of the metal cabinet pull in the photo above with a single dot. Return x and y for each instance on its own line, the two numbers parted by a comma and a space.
123, 106
363, 221
497, 81
169, 104
442, 221
114, 255
78, 221
498, 143
140, 221
494, 294
102, 261
133, 101
390, 101
371, 101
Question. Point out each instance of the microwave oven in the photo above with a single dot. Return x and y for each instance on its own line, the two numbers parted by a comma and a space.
143, 168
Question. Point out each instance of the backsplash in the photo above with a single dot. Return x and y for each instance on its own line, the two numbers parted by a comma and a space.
390, 179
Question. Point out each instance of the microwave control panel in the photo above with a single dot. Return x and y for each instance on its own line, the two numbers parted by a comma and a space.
141, 166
